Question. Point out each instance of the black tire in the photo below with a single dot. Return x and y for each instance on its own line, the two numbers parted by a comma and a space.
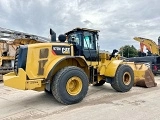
124, 79
100, 83
62, 78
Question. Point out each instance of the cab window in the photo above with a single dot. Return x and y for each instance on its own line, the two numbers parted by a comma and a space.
89, 42
74, 38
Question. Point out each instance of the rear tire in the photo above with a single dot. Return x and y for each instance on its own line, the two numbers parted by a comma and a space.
70, 85
124, 79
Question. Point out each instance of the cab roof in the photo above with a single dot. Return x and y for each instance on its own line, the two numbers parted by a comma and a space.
82, 29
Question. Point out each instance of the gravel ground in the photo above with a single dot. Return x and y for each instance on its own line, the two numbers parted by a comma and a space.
101, 103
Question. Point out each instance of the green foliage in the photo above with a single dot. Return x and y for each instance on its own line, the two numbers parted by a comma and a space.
128, 51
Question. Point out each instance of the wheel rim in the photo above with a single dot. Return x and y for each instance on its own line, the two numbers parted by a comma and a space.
126, 78
74, 86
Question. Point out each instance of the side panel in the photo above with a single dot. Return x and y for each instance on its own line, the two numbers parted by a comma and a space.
37, 59
40, 56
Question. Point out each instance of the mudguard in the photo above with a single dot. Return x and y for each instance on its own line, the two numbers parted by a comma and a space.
50, 69
109, 68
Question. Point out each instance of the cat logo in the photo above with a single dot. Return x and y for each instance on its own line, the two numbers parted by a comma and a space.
65, 50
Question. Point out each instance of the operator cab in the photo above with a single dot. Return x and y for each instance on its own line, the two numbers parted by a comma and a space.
84, 42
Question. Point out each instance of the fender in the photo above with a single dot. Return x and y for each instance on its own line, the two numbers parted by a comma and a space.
109, 68
56, 62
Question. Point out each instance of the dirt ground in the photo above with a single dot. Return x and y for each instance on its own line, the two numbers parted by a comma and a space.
101, 103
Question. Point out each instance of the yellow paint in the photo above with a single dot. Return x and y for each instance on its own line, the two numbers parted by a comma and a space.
111, 67
126, 78
41, 66
52, 64
105, 67
102, 70
139, 70
100, 77
20, 82
33, 56
32, 84
74, 86
14, 81
149, 44
33, 59
42, 88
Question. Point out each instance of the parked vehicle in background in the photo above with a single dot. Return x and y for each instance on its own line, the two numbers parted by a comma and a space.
151, 61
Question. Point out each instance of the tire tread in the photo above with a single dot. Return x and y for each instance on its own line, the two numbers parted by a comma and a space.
55, 83
116, 83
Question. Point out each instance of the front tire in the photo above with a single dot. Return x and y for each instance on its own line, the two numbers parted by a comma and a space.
124, 79
70, 85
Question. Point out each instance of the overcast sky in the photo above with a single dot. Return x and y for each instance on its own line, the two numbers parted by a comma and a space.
118, 20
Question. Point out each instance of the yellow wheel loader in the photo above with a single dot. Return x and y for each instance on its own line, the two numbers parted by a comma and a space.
66, 67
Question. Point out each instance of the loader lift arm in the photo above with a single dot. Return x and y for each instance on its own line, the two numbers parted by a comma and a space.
149, 44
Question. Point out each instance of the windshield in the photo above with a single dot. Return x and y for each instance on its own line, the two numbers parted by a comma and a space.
89, 42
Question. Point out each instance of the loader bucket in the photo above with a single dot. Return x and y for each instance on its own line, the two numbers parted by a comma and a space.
143, 76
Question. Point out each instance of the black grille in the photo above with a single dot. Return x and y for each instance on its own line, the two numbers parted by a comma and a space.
16, 61
20, 58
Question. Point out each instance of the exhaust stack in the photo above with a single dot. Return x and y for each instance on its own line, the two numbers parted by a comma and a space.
53, 35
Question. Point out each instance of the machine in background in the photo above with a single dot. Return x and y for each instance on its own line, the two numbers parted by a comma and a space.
9, 40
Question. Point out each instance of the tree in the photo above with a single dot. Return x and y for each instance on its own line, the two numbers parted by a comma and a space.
128, 51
